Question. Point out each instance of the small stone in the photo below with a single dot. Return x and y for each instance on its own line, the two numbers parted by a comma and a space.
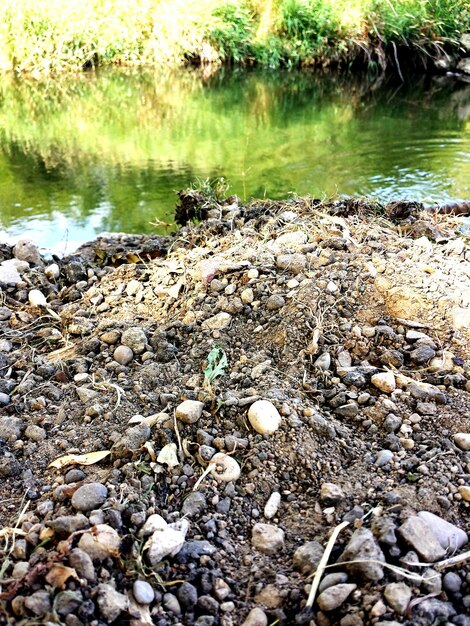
426, 392
464, 491
330, 580
38, 603
363, 547
269, 596
385, 381
82, 563
74, 475
267, 538
421, 538
331, 493
9, 275
10, 428
164, 542
111, 337
5, 313
25, 250
133, 286
35, 433
102, 543
194, 504
293, 263
225, 468
307, 557
333, 597
217, 322
398, 596
123, 355
323, 362
65, 525
247, 296
135, 339
221, 589
272, 505
52, 271
432, 581
448, 535
264, 417
143, 592
189, 411
383, 457
187, 595
462, 440
348, 410
256, 617
452, 582
422, 354
89, 497
171, 604
110, 602
275, 302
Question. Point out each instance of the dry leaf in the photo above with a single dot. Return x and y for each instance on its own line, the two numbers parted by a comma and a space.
80, 459
59, 574
168, 455
46, 533
148, 445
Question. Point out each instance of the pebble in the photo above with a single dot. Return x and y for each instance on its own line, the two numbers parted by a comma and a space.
421, 538
331, 493
103, 542
363, 546
264, 417
323, 362
330, 580
225, 468
385, 381
25, 250
398, 596
10, 428
462, 440
65, 525
35, 433
452, 582
275, 302
272, 505
4, 399
464, 491
171, 604
217, 322
143, 592
165, 542
52, 271
89, 497
135, 339
307, 557
267, 538
123, 355
194, 504
293, 263
448, 535
110, 602
38, 603
383, 457
335, 596
82, 563
256, 617
189, 411
187, 595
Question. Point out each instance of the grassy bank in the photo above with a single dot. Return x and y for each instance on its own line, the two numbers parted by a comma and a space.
57, 35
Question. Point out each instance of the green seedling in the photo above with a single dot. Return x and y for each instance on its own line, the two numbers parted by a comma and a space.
216, 365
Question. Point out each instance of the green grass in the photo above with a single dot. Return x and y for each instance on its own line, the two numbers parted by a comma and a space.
59, 35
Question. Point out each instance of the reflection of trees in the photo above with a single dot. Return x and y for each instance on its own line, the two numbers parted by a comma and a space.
123, 142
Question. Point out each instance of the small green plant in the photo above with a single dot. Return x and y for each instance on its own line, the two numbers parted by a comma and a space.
213, 189
216, 364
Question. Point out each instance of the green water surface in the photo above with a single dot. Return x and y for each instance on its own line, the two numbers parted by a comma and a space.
106, 152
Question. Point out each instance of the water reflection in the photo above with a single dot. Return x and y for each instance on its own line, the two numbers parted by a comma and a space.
106, 152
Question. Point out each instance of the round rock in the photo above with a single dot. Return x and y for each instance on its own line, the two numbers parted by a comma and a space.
189, 411
462, 440
143, 592
385, 381
135, 339
89, 497
267, 538
123, 355
333, 597
264, 417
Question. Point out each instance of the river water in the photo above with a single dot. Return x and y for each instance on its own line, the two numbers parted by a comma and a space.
107, 151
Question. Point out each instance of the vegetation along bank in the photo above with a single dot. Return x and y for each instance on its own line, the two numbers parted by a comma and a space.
44, 37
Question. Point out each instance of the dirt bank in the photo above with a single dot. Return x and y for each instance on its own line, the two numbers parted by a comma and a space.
320, 350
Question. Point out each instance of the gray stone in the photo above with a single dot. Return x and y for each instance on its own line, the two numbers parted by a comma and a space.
38, 603
35, 433
348, 410
189, 411
452, 582
9, 275
9, 466
323, 362
398, 596
363, 546
74, 475
420, 537
4, 399
111, 603
67, 524
464, 65
275, 302
10, 428
217, 322
293, 263
143, 592
383, 457
89, 496
267, 538
194, 550
86, 394
330, 580
307, 557
423, 354
194, 504
331, 493
123, 355
384, 530
135, 339
102, 543
432, 611
67, 602
5, 313
132, 440
462, 440
82, 563
448, 535
335, 596
25, 250
426, 392
187, 595
171, 604
432, 581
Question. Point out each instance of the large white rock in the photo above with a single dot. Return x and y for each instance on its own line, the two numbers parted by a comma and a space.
166, 540
385, 381
225, 468
462, 440
264, 417
189, 411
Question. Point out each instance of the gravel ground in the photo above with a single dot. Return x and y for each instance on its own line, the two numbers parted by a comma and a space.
253, 383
